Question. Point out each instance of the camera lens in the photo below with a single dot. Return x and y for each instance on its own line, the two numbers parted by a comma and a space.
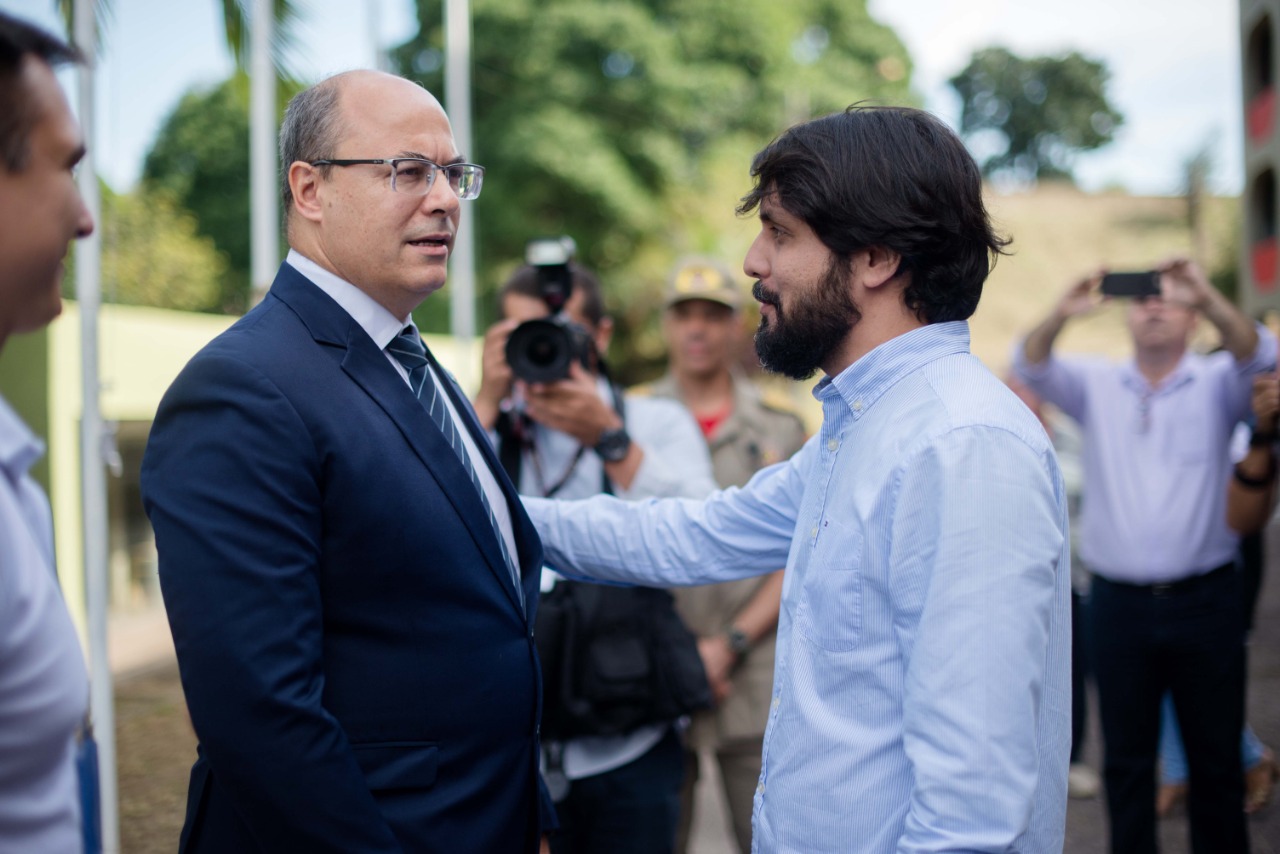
543, 350
540, 351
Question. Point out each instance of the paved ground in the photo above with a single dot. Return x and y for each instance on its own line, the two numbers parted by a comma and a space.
156, 747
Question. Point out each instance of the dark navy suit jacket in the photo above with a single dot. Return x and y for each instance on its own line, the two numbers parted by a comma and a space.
358, 668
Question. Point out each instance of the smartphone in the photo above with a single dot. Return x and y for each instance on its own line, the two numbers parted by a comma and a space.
1134, 285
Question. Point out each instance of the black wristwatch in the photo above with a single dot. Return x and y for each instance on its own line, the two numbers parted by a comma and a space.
613, 445
737, 639
1262, 438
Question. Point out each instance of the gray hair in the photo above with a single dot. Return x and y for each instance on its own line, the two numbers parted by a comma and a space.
310, 131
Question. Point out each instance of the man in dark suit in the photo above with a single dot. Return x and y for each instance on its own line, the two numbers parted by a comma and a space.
349, 576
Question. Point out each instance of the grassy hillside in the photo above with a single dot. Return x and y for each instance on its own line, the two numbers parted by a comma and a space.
1060, 234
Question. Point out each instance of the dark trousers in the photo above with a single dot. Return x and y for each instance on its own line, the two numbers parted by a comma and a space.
629, 810
1188, 639
1252, 565
1079, 671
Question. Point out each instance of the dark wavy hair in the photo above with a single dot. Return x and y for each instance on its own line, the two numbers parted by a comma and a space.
894, 177
18, 111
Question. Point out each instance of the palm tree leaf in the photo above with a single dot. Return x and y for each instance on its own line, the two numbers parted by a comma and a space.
67, 8
236, 15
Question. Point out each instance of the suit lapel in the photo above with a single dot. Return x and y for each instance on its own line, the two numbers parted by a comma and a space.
527, 540
369, 368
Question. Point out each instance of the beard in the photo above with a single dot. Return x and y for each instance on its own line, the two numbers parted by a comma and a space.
797, 343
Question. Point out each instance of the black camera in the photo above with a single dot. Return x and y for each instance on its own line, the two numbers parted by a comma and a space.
541, 351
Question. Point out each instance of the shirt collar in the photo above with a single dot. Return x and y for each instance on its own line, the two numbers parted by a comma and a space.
1182, 373
19, 447
381, 325
863, 383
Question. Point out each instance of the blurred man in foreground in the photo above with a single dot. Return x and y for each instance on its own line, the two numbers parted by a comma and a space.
44, 690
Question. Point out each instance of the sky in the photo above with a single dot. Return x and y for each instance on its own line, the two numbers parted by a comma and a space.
1174, 73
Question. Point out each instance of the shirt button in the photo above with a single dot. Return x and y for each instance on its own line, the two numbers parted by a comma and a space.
814, 532
760, 789
776, 701
832, 444
857, 406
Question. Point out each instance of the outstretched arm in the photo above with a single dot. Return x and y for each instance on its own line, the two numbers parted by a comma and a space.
1184, 282
1081, 298
735, 533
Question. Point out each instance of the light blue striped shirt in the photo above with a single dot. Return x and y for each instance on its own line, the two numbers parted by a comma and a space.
921, 692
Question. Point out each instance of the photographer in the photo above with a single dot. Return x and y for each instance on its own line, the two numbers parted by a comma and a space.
575, 437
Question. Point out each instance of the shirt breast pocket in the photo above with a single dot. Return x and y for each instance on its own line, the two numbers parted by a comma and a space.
1196, 441
829, 612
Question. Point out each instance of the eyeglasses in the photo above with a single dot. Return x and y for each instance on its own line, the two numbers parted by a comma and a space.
414, 176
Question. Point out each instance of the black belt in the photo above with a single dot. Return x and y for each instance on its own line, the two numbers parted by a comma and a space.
1174, 588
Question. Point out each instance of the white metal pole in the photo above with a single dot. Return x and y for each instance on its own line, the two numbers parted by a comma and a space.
93, 485
373, 21
457, 87
264, 246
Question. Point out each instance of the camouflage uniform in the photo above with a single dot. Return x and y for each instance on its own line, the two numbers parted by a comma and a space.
754, 435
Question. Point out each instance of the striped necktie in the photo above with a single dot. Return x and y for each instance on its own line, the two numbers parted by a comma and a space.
408, 350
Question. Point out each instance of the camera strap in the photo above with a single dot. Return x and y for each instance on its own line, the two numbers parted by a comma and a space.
515, 436
550, 492
515, 433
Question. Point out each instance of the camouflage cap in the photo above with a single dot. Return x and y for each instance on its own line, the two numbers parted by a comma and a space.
703, 278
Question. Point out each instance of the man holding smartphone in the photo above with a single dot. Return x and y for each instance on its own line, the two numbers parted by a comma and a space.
1165, 610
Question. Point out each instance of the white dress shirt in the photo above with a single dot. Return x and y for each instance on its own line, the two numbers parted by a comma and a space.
44, 688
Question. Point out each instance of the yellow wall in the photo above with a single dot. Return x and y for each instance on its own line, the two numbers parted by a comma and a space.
140, 351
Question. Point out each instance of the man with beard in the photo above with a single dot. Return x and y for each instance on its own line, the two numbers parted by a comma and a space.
921, 694
1165, 609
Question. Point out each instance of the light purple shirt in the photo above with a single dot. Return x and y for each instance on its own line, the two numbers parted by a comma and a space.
1156, 459
44, 688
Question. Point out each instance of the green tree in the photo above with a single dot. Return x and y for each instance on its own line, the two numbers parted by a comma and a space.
1035, 113
153, 255
590, 118
200, 158
189, 178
